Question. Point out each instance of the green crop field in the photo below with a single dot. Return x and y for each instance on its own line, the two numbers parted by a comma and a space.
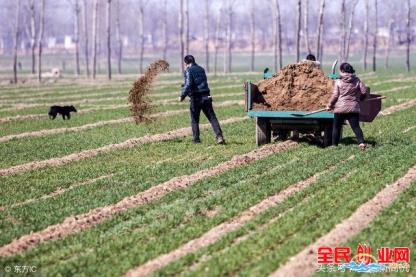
98, 195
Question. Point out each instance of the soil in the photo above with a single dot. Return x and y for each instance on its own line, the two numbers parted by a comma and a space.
80, 222
59, 161
304, 263
297, 87
139, 101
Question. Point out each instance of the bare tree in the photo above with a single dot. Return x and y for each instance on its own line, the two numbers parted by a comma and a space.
77, 11
343, 30
32, 32
389, 42
186, 11
86, 41
320, 31
277, 35
217, 40
165, 29
298, 29
350, 29
408, 36
206, 34
366, 32
118, 38
253, 34
142, 4
40, 38
109, 39
94, 37
181, 33
306, 26
228, 58
16, 40
375, 35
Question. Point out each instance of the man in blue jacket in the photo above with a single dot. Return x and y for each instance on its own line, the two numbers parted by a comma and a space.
196, 87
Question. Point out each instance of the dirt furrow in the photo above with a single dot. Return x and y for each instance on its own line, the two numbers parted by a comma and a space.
21, 106
182, 132
46, 132
400, 107
396, 80
56, 192
80, 222
408, 129
99, 108
394, 89
221, 230
304, 263
120, 94
44, 115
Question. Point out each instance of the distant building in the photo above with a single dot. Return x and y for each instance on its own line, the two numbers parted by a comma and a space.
51, 42
69, 43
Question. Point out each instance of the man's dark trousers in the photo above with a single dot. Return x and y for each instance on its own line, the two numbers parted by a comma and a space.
203, 103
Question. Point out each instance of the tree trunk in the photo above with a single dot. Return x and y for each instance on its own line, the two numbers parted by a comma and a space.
350, 29
76, 36
306, 26
343, 30
230, 12
217, 41
109, 39
320, 31
86, 41
206, 35
186, 8
94, 38
277, 35
118, 38
181, 34
16, 41
409, 35
375, 36
366, 31
253, 34
141, 34
165, 29
298, 28
40, 38
33, 34
389, 42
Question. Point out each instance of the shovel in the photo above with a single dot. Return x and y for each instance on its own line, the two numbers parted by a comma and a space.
305, 114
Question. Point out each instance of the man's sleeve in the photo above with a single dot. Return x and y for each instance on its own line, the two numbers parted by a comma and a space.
188, 84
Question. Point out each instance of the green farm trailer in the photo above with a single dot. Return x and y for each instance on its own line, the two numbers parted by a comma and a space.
282, 123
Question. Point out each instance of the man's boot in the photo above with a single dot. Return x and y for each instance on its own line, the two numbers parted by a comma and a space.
220, 140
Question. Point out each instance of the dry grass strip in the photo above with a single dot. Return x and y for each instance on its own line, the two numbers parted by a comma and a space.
304, 263
182, 132
221, 230
78, 223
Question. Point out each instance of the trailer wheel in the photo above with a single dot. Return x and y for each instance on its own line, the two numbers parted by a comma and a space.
263, 131
327, 138
281, 135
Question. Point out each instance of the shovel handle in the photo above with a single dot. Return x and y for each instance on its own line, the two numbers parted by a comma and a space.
376, 98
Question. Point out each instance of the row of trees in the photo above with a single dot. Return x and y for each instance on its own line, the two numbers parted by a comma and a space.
220, 19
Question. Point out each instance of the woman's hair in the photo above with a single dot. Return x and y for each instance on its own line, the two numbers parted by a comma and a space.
311, 57
347, 68
266, 70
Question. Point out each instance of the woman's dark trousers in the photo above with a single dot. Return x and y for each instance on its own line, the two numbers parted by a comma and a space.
353, 119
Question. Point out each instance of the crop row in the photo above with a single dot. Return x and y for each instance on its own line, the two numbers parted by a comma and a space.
191, 222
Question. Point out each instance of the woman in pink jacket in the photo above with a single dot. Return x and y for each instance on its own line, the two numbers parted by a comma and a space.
345, 103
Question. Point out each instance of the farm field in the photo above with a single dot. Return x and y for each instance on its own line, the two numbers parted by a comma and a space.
98, 195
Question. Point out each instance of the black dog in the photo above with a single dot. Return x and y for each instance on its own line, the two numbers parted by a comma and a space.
64, 111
